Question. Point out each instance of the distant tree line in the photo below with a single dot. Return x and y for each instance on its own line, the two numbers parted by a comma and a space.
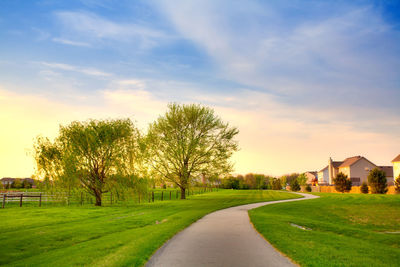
252, 181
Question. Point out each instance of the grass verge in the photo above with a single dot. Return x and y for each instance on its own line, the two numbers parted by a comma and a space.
107, 236
347, 229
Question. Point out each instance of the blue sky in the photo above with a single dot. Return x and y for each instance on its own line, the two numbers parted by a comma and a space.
320, 78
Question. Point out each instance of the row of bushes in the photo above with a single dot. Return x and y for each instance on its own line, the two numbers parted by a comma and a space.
376, 181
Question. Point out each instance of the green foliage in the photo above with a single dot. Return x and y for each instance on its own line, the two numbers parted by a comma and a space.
276, 184
289, 178
295, 185
377, 181
26, 184
397, 184
342, 183
302, 179
98, 155
308, 188
17, 184
190, 141
364, 188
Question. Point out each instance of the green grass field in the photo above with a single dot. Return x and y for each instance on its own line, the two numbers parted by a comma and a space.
347, 229
106, 236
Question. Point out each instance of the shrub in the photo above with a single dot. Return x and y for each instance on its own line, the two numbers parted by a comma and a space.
397, 184
308, 188
342, 184
294, 185
364, 188
377, 181
276, 184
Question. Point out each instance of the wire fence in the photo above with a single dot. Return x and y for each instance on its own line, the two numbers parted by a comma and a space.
80, 198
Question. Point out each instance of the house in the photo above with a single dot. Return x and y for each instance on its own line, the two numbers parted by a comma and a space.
356, 168
325, 177
312, 177
388, 170
396, 166
7, 181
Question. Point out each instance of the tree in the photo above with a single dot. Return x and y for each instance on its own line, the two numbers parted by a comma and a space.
302, 179
364, 188
377, 181
16, 184
189, 141
294, 185
97, 155
342, 183
276, 184
26, 184
308, 188
397, 184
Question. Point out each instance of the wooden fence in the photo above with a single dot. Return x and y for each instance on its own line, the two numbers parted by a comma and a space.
82, 198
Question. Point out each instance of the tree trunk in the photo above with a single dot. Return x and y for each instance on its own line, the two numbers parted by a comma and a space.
183, 193
98, 199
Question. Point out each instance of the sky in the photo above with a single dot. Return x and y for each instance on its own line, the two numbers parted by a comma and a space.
302, 80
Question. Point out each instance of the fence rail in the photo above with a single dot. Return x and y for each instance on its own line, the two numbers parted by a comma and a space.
82, 198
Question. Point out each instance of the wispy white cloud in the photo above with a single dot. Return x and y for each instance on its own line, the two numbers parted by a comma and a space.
89, 27
341, 59
70, 42
84, 70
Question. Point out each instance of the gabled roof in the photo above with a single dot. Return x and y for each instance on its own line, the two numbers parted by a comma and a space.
324, 168
388, 170
312, 172
335, 164
350, 161
396, 159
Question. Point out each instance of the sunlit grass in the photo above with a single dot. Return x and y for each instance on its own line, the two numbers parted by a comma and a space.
121, 235
347, 229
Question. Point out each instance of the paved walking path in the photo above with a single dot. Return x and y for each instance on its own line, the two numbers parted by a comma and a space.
222, 238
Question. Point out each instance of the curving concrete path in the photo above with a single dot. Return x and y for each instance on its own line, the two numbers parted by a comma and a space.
222, 238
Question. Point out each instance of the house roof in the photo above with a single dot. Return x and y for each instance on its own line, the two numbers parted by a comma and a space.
313, 172
350, 161
396, 159
335, 164
7, 179
388, 170
324, 168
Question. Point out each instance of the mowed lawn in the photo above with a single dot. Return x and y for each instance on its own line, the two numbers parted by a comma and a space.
106, 236
347, 229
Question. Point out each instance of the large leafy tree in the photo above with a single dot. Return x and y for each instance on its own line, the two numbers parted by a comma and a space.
190, 141
377, 181
96, 155
342, 183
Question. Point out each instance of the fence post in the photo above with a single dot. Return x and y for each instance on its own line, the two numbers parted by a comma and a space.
162, 195
176, 194
152, 196
4, 200
139, 197
81, 198
40, 200
20, 200
149, 197
111, 198
170, 194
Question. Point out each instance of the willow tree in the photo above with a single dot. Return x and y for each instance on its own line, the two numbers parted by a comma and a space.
96, 155
190, 141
